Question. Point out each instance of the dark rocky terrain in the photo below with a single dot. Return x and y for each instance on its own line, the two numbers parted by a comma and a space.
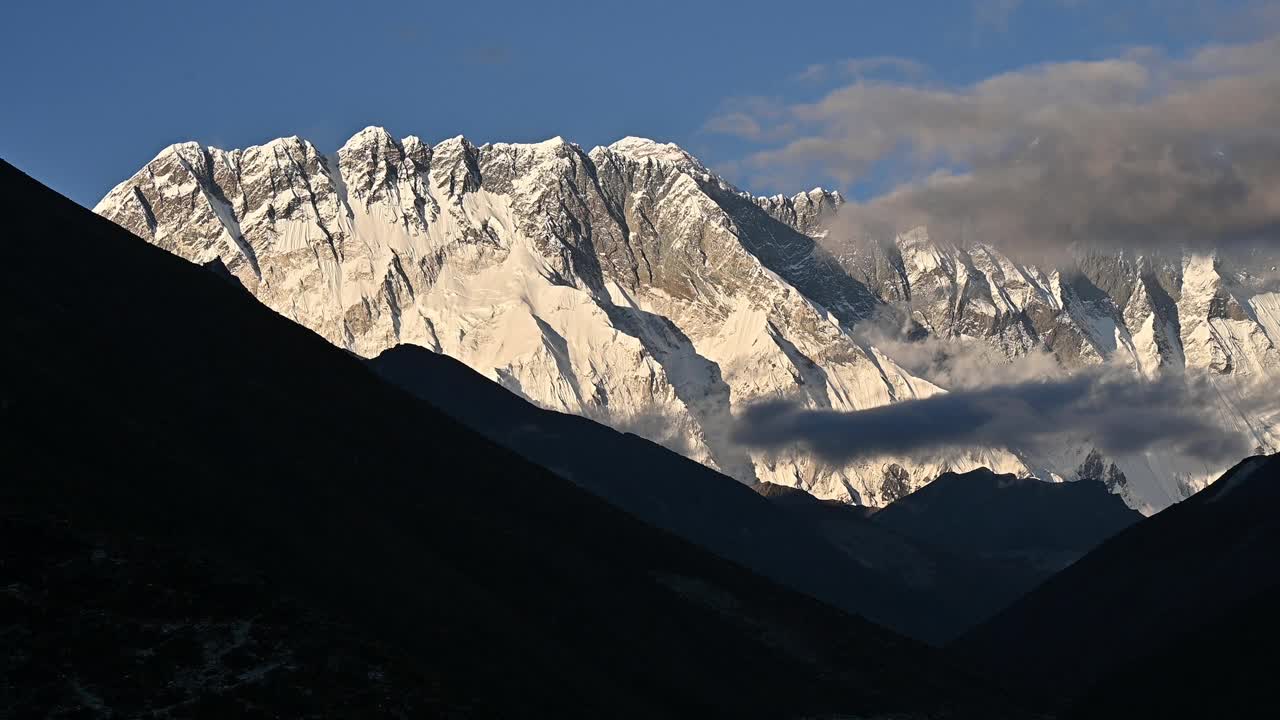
127, 628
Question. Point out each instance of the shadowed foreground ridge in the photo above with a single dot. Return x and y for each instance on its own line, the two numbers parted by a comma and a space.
153, 410
969, 543
649, 482
1044, 526
1173, 616
1007, 534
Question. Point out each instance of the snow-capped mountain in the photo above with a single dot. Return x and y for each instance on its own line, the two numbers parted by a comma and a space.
1212, 315
632, 285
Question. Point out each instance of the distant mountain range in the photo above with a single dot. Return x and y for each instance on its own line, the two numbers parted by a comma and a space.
632, 285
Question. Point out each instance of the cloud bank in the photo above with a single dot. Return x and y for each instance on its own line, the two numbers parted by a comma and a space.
1104, 407
1138, 150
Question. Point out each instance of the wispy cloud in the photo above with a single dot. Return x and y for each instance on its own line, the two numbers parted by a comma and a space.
952, 363
860, 68
736, 123
994, 14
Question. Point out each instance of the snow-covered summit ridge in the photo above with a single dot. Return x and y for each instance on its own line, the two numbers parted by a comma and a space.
641, 149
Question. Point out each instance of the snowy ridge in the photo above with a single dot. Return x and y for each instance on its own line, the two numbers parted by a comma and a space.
634, 286
1182, 313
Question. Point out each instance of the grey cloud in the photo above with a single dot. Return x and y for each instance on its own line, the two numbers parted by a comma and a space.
1105, 408
735, 123
1140, 149
759, 119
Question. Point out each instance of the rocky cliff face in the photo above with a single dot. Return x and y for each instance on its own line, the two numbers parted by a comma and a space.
1154, 313
632, 285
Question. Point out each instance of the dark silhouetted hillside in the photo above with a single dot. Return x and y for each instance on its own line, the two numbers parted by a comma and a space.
1149, 598
970, 544
148, 403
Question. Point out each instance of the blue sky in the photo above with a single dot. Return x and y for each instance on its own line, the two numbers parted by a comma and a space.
93, 90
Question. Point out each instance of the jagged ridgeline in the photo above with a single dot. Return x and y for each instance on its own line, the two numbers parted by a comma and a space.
632, 285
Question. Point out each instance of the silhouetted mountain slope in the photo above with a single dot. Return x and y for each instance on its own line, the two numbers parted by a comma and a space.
859, 574
830, 550
1125, 608
946, 593
637, 475
144, 399
1223, 669
970, 543
1043, 525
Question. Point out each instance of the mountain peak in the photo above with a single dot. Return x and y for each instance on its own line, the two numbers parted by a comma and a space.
820, 192
181, 150
189, 145
641, 149
372, 135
